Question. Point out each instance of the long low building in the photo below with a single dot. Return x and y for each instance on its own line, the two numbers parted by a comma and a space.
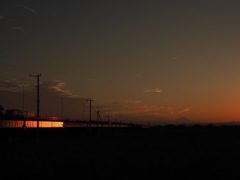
29, 123
16, 118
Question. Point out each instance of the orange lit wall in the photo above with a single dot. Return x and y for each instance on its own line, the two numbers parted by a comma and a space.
29, 124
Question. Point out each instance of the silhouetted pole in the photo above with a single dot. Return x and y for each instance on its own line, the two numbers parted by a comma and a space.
24, 122
23, 98
37, 76
108, 117
62, 106
90, 111
98, 117
83, 111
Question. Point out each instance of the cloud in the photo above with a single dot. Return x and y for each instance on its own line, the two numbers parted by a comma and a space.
157, 90
54, 87
11, 85
1, 17
173, 111
52, 94
92, 79
184, 110
132, 101
152, 112
18, 28
57, 87
138, 108
26, 7
138, 75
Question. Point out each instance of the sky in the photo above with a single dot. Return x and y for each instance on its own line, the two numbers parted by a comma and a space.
146, 61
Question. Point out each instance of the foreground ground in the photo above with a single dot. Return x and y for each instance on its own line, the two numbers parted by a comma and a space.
121, 153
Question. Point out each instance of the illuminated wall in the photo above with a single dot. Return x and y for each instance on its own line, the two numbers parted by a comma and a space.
29, 124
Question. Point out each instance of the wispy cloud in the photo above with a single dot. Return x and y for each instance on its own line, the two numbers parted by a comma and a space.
9, 84
138, 108
26, 7
138, 75
54, 87
132, 101
184, 110
12, 85
57, 87
92, 79
173, 111
18, 28
156, 90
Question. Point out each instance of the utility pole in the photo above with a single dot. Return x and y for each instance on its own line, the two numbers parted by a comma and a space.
24, 117
83, 111
108, 118
90, 111
62, 106
37, 76
23, 98
99, 119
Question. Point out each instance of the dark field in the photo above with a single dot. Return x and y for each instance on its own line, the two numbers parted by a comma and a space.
171, 152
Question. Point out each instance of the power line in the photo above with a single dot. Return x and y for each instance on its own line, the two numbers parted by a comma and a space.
12, 72
15, 68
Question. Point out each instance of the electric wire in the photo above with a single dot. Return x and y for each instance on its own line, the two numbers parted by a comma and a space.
14, 74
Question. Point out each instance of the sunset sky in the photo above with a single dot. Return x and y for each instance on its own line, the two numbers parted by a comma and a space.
140, 60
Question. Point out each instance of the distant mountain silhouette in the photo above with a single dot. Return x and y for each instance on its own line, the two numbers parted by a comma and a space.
184, 120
